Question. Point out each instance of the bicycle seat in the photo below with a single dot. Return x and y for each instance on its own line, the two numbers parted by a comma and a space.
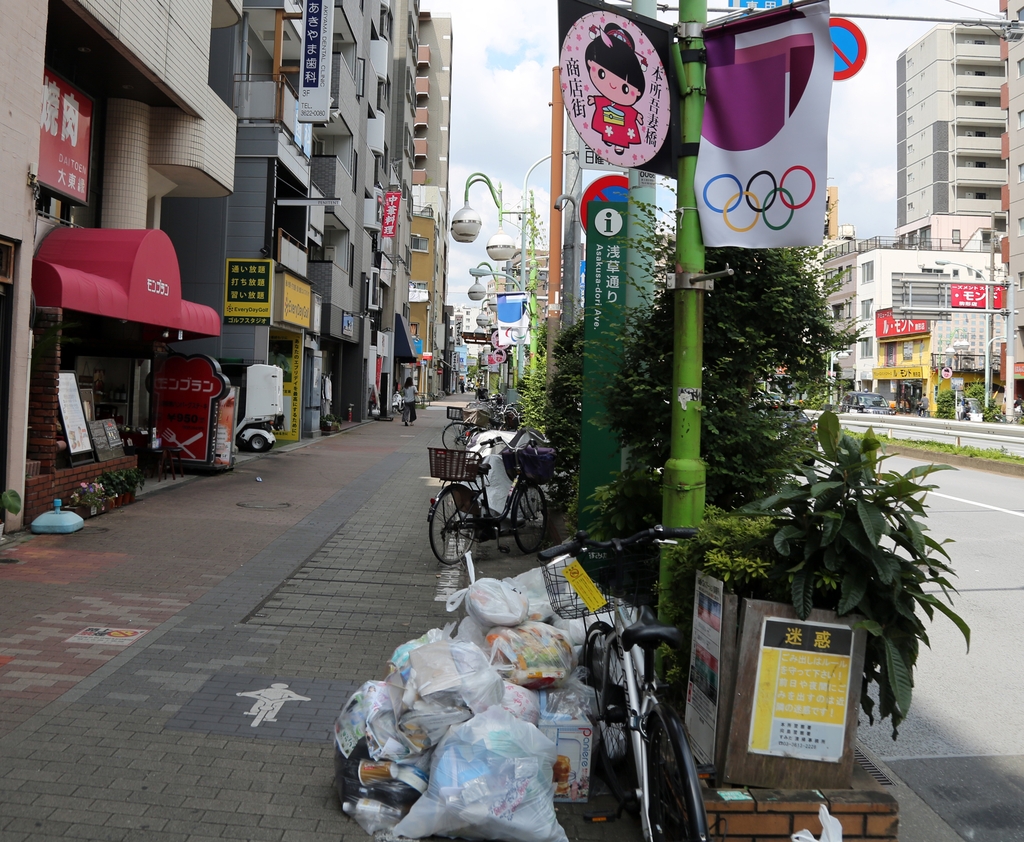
649, 633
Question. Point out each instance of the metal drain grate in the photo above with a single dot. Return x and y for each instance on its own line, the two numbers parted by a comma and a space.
872, 769
10, 561
252, 505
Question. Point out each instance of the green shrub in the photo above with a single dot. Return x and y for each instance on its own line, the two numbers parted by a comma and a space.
945, 405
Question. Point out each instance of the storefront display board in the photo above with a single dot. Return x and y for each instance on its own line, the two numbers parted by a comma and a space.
106, 440
72, 414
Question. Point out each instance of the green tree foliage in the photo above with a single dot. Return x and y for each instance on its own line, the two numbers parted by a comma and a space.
562, 417
770, 317
945, 405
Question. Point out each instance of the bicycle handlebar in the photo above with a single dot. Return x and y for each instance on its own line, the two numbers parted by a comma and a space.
582, 540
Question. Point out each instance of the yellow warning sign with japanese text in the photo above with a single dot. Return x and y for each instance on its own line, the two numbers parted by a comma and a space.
584, 586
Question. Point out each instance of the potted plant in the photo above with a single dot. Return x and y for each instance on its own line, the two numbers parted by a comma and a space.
850, 537
89, 499
329, 424
10, 501
134, 479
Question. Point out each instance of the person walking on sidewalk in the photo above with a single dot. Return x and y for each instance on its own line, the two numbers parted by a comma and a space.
409, 410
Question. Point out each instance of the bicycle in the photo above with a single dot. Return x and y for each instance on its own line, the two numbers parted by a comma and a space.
620, 662
478, 417
459, 516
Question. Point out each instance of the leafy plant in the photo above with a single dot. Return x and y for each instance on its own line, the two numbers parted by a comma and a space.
562, 417
977, 391
945, 405
629, 503
113, 482
850, 538
10, 501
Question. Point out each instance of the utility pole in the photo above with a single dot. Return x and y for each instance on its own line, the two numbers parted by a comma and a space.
685, 473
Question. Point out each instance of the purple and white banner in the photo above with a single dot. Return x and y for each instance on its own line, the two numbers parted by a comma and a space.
762, 167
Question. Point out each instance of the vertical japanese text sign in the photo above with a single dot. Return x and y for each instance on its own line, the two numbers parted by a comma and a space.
392, 201
604, 318
286, 354
65, 132
315, 62
247, 289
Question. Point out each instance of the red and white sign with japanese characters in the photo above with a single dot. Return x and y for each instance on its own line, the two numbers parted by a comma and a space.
886, 325
974, 296
187, 391
392, 199
65, 130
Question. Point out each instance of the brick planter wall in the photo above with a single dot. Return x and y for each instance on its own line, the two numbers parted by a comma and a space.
40, 491
773, 815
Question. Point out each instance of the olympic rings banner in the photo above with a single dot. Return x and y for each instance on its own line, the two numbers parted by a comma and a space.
762, 166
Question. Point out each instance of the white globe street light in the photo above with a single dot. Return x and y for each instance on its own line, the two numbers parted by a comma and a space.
477, 292
501, 246
466, 225
483, 320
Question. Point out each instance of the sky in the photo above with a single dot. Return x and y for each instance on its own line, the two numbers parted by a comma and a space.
503, 54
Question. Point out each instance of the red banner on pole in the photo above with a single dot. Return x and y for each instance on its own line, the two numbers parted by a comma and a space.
392, 200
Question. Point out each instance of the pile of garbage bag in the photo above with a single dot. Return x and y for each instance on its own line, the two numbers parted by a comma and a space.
449, 742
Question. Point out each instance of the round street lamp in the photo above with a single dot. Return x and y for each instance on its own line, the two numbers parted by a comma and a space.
483, 320
466, 224
477, 292
501, 246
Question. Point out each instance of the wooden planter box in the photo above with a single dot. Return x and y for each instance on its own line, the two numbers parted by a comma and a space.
734, 762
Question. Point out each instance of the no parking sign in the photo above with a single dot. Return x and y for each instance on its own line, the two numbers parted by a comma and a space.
849, 47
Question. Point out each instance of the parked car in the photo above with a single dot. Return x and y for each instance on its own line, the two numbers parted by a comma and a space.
866, 402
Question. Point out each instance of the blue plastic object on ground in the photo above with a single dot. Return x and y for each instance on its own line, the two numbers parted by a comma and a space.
56, 522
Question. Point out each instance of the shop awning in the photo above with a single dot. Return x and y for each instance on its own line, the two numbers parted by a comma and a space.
127, 274
403, 341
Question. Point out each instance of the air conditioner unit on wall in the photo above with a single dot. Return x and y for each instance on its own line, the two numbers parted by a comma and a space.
968, 195
968, 133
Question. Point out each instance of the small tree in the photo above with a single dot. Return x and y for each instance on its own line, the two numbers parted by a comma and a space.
945, 405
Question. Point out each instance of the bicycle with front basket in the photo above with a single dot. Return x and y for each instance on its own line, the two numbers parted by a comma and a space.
459, 516
641, 736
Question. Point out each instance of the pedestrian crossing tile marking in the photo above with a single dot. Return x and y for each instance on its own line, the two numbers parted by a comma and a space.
269, 702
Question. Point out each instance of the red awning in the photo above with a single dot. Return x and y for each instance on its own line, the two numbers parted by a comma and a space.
127, 274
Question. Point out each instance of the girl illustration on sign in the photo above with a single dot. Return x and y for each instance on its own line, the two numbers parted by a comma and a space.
617, 72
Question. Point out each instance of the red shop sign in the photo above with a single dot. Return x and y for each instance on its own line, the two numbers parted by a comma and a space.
974, 296
186, 391
65, 133
392, 199
886, 325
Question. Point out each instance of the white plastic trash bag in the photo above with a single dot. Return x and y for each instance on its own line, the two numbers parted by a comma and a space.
490, 778
400, 657
831, 830
490, 602
521, 703
531, 583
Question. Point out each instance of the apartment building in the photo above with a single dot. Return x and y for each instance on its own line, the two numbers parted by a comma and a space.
109, 116
949, 124
1013, 195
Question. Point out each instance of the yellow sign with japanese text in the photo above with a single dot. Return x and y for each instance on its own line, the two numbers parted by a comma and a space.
247, 291
584, 586
285, 351
802, 690
909, 372
295, 301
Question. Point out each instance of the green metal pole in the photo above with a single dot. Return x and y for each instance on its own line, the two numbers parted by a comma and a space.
685, 474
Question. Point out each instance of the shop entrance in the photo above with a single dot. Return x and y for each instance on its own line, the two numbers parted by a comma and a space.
908, 396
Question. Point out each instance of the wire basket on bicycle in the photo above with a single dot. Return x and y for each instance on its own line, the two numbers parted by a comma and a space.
631, 576
453, 465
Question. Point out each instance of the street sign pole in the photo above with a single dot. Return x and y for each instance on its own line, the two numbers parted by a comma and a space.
685, 473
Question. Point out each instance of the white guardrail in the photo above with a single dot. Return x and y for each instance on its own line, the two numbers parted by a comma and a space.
1008, 437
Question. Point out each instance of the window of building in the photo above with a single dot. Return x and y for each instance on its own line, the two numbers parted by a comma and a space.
867, 271
981, 164
351, 263
980, 103
910, 120
889, 352
955, 236
910, 205
910, 147
420, 243
360, 77
355, 171
981, 195
1020, 280
866, 308
839, 310
908, 350
866, 347
1020, 67
1020, 226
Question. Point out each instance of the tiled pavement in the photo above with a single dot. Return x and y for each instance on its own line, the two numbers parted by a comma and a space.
308, 578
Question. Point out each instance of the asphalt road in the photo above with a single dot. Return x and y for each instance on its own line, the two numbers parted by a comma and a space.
961, 750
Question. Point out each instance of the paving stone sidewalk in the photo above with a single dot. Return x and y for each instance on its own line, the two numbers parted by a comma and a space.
252, 610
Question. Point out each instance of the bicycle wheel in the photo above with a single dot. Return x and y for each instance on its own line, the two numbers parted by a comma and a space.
455, 435
676, 808
451, 525
602, 661
529, 518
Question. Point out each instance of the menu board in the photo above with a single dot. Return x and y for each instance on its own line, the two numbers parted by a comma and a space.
106, 440
73, 415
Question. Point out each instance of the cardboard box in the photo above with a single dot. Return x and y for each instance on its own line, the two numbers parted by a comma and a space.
574, 740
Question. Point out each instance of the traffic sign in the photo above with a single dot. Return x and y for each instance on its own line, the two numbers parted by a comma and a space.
849, 47
608, 188
947, 373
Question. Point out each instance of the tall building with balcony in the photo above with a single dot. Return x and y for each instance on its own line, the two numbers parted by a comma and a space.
950, 120
1013, 197
310, 199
